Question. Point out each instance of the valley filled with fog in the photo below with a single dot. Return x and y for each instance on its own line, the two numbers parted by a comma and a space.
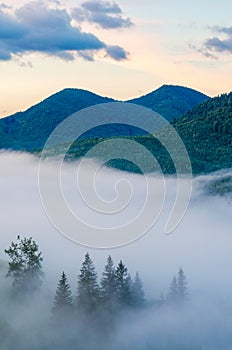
201, 244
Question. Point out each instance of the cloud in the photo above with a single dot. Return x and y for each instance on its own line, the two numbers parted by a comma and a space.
87, 55
202, 242
203, 51
21, 63
104, 14
4, 6
217, 44
35, 27
102, 6
117, 53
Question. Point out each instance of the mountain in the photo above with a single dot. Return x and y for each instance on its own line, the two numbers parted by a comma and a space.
30, 129
171, 101
206, 130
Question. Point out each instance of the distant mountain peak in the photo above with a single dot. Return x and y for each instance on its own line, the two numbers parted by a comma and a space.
171, 101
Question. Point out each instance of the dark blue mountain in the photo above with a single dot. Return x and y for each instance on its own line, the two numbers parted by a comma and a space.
171, 101
30, 129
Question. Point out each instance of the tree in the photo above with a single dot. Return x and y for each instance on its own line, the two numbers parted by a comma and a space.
123, 285
25, 266
128, 291
88, 289
63, 298
173, 291
108, 284
138, 295
182, 285
178, 288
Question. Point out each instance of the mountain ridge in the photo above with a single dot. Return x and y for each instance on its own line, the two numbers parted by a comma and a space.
133, 100
206, 130
30, 129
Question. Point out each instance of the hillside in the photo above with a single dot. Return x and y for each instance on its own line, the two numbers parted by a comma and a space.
171, 101
206, 132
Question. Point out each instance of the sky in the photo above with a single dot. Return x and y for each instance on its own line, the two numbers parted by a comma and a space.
120, 49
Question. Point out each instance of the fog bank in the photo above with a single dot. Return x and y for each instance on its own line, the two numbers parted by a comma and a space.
201, 243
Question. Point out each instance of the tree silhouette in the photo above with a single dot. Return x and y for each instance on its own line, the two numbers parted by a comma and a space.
88, 289
178, 288
63, 298
25, 266
173, 291
123, 285
182, 285
108, 285
138, 295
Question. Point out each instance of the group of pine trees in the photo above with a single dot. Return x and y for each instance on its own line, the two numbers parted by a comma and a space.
178, 288
115, 291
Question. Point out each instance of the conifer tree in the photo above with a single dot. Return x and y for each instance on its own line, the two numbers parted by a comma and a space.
182, 285
123, 285
128, 299
88, 289
173, 291
138, 292
108, 284
178, 288
25, 266
63, 298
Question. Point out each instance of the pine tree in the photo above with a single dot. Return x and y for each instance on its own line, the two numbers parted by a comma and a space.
182, 285
173, 291
128, 291
108, 285
123, 285
25, 266
138, 295
88, 289
178, 288
63, 298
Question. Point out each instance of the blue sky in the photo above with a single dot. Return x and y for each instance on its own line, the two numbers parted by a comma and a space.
116, 48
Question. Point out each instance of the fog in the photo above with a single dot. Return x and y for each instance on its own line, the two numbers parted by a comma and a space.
201, 245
